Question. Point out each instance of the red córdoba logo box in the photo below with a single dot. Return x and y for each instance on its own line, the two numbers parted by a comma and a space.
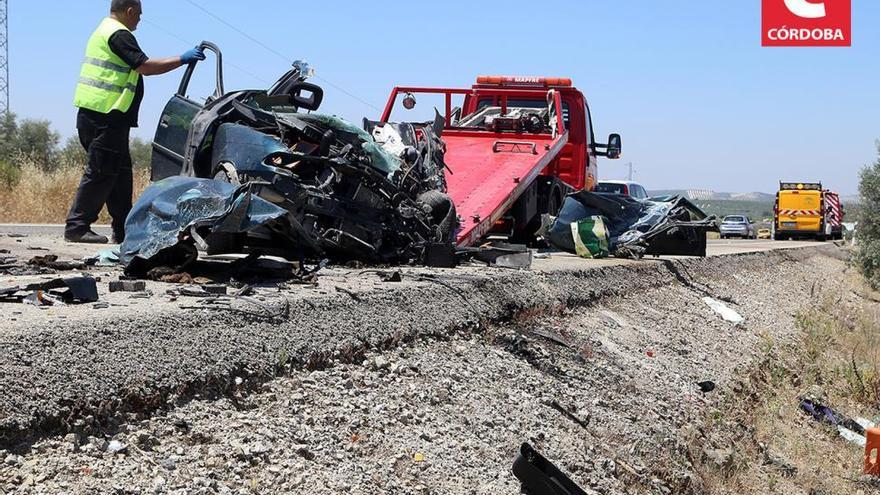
806, 23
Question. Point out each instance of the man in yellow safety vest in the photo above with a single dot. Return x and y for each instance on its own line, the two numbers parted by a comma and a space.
108, 95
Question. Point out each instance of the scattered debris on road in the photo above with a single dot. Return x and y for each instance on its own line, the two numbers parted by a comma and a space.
128, 286
706, 386
722, 309
51, 261
499, 254
540, 476
70, 290
851, 429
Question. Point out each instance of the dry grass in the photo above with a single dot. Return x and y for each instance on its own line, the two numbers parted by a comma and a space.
45, 197
763, 425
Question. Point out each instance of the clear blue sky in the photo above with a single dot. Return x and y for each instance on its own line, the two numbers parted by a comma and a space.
699, 102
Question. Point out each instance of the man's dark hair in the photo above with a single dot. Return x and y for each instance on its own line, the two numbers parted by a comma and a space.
123, 5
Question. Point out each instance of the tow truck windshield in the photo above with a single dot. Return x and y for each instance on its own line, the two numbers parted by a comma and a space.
513, 103
532, 116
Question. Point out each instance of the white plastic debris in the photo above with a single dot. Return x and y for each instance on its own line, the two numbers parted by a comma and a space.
852, 436
725, 312
865, 423
388, 138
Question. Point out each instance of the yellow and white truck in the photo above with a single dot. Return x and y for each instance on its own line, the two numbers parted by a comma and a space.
805, 209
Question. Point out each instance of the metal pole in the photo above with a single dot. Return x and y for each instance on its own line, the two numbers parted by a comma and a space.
4, 58
630, 165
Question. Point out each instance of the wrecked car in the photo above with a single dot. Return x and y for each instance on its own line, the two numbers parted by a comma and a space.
375, 194
598, 224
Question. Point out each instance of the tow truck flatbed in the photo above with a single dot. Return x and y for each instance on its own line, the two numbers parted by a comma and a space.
485, 182
504, 172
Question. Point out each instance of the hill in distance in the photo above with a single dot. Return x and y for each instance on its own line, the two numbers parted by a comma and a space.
706, 195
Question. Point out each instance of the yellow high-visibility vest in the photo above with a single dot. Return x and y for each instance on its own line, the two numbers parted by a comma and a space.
106, 82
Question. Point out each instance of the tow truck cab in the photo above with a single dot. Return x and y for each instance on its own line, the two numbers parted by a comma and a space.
498, 119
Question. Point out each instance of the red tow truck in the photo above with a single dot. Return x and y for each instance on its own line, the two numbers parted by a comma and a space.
515, 147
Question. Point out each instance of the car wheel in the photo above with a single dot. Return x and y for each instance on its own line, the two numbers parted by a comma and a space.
442, 213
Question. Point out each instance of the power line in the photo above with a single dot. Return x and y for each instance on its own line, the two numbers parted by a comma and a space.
188, 42
179, 38
279, 54
4, 58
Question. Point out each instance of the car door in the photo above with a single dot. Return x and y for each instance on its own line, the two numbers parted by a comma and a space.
170, 140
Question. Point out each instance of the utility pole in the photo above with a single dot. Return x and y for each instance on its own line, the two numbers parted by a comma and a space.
630, 165
4, 59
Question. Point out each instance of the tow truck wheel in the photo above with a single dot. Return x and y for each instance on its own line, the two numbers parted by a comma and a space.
551, 206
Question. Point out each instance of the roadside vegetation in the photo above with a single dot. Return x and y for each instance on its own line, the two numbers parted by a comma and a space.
39, 177
760, 441
867, 255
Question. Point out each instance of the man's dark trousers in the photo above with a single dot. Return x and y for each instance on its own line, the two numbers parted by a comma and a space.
107, 180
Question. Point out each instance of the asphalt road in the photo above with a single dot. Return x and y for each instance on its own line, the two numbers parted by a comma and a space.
716, 247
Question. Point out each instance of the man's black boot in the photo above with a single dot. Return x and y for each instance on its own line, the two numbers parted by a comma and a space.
87, 238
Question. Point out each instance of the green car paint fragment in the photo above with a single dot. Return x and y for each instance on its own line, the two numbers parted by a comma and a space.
591, 239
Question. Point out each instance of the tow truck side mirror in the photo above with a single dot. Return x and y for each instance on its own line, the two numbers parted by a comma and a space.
615, 146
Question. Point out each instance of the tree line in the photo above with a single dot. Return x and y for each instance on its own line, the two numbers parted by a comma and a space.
33, 141
867, 253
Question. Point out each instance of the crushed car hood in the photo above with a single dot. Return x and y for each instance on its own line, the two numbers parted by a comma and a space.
182, 211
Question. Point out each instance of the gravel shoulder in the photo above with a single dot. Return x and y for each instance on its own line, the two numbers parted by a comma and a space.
145, 351
428, 386
443, 408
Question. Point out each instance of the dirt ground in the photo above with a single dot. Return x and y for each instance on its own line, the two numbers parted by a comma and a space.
761, 441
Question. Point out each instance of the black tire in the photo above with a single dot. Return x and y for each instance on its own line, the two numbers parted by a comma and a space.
442, 213
550, 206
554, 203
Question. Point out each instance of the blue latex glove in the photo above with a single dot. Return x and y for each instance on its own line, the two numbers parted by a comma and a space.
193, 55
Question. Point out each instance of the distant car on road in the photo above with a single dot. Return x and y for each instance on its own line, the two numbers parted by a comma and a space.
738, 226
622, 187
764, 234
